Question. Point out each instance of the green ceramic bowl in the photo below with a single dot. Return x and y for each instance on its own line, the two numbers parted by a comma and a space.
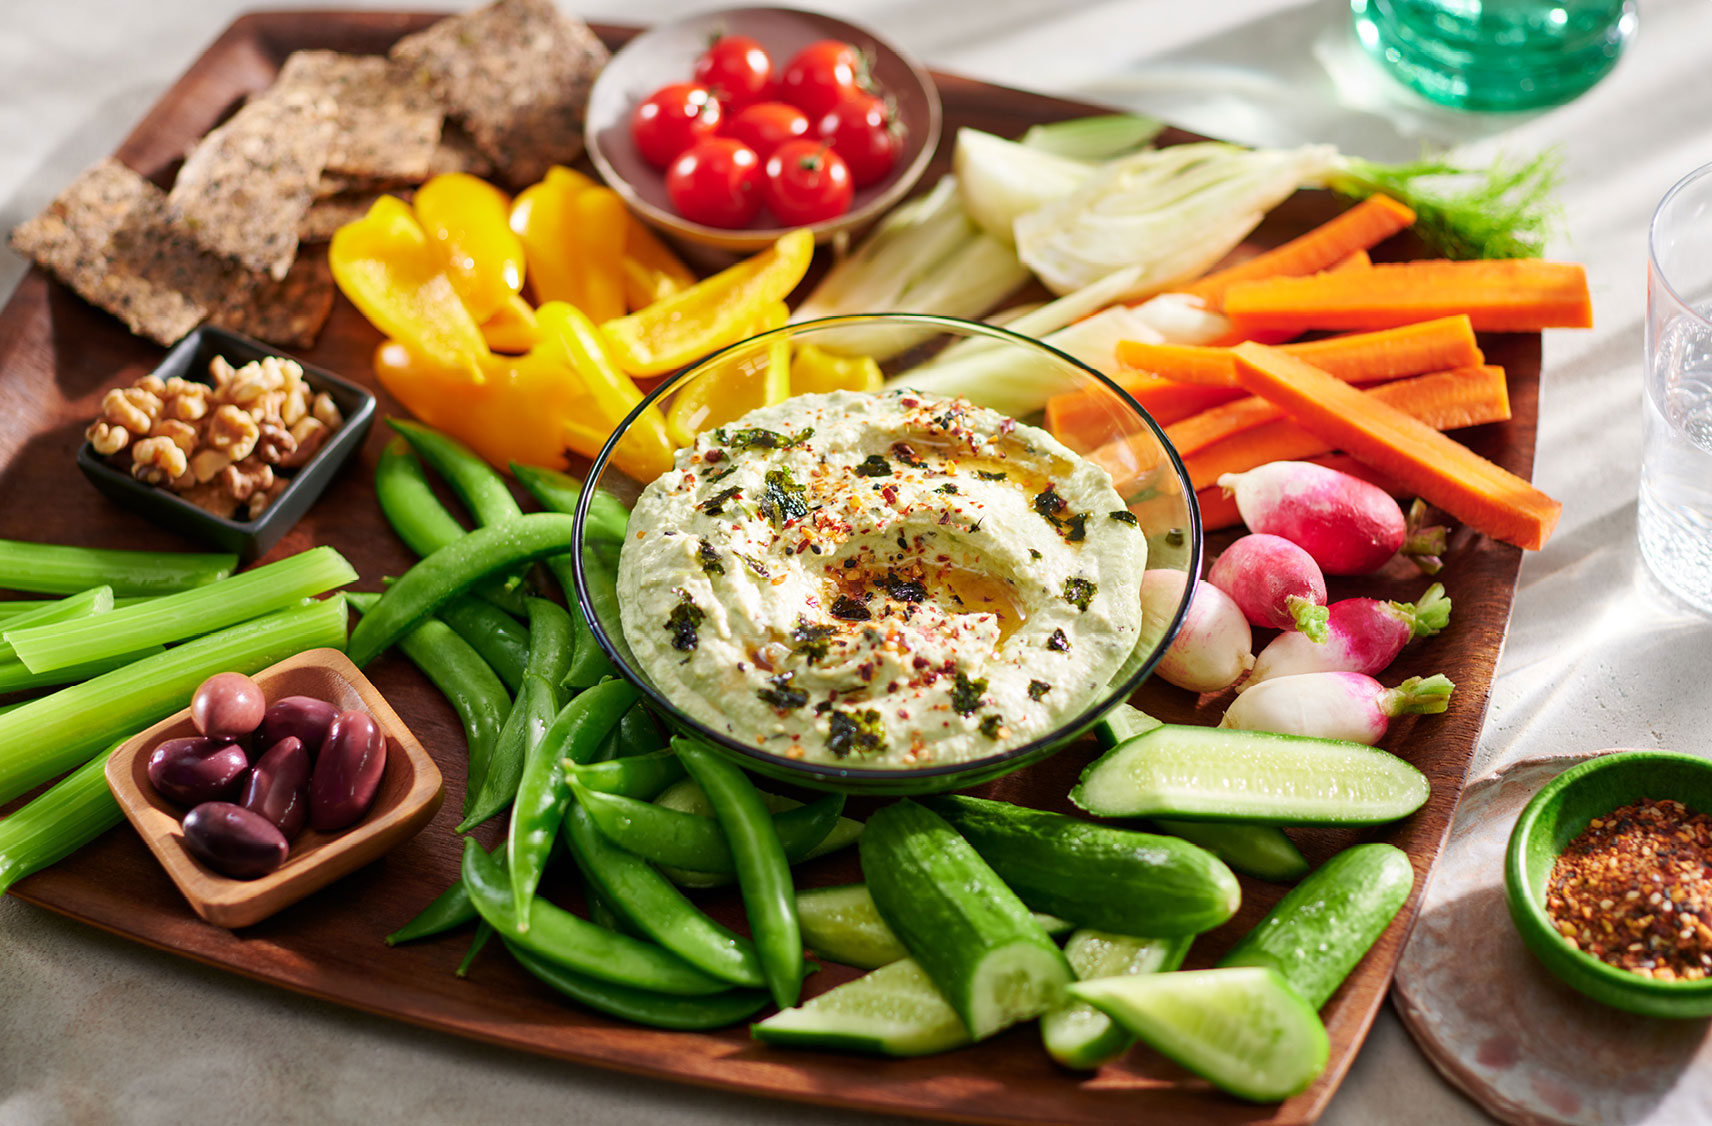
1556, 816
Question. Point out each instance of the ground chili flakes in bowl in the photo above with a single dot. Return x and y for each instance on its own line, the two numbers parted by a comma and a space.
1608, 879
1635, 889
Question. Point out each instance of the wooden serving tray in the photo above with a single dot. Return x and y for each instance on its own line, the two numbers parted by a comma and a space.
57, 355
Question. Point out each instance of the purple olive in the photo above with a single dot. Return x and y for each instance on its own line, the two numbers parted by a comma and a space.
278, 787
193, 770
228, 705
348, 773
232, 840
302, 717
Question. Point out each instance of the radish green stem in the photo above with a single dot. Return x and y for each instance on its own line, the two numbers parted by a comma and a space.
49, 736
189, 613
1428, 614
68, 816
1424, 545
46, 568
1311, 617
1417, 696
97, 600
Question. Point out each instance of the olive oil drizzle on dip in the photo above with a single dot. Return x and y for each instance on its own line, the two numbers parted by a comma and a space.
881, 580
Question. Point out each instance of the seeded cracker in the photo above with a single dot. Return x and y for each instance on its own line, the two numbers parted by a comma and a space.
244, 188
388, 121
517, 74
455, 153
74, 239
329, 214
288, 313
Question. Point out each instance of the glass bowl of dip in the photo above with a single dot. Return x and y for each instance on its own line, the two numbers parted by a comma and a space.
1011, 388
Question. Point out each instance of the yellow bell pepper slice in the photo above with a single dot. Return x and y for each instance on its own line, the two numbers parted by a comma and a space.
574, 234
645, 452
512, 328
816, 370
517, 413
467, 221
747, 380
384, 264
712, 313
651, 271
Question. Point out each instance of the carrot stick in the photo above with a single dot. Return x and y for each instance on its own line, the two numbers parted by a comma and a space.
1499, 295
1360, 260
1445, 400
1218, 505
1369, 222
1359, 357
1444, 472
1089, 418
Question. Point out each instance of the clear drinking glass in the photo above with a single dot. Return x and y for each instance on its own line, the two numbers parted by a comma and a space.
1495, 54
1675, 515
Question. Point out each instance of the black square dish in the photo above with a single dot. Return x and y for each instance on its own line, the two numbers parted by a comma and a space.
189, 360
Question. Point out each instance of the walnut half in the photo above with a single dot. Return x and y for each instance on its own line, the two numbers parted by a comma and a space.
155, 461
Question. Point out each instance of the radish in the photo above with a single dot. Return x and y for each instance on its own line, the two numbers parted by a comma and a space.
1335, 705
1349, 526
1276, 584
1214, 647
1365, 635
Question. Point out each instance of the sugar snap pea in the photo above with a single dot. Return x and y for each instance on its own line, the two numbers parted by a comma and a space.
477, 483
639, 733
632, 887
483, 935
763, 871
541, 792
454, 569
549, 642
686, 840
558, 492
501, 639
466, 681
524, 727
686, 1014
577, 944
450, 910
408, 502
638, 776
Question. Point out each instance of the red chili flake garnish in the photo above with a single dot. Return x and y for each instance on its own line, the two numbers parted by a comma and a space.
1635, 890
889, 494
714, 456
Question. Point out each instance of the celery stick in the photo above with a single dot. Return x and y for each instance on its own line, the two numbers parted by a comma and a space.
186, 614
96, 600
12, 610
4, 708
47, 568
53, 734
15, 676
68, 816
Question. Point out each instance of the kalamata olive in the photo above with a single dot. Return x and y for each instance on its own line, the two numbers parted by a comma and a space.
278, 787
232, 840
228, 705
193, 769
347, 775
303, 717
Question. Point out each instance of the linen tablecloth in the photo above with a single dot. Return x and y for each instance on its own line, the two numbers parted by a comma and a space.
94, 1029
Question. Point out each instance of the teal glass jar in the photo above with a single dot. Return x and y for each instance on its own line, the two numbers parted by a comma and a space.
1495, 55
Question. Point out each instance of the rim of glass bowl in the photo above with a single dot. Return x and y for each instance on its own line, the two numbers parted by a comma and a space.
1060, 735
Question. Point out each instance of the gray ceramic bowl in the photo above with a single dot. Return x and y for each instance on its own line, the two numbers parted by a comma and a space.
667, 54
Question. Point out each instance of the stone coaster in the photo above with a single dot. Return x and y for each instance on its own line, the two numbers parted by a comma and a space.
1500, 1027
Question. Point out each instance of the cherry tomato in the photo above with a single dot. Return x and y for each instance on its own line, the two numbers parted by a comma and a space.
807, 183
819, 75
717, 182
767, 125
863, 130
736, 68
672, 119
